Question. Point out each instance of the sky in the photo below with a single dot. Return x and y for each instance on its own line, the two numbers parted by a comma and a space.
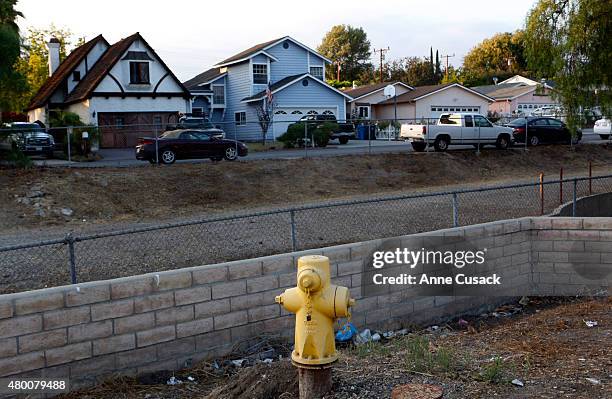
192, 35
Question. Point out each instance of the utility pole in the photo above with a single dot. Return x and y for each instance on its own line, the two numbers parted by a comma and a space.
382, 52
447, 57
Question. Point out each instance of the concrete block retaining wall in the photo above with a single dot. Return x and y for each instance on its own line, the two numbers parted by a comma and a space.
599, 205
170, 320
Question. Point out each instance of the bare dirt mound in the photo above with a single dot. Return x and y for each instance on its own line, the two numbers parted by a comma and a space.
80, 197
263, 381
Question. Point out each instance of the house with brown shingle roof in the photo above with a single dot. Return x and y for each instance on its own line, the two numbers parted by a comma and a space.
432, 101
126, 89
519, 95
364, 97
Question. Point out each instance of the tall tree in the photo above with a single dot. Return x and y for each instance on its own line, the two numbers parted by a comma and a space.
33, 64
348, 47
438, 70
502, 55
570, 42
414, 71
12, 83
431, 62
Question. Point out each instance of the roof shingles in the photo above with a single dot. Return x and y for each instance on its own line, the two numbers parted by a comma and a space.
206, 76
248, 52
62, 73
363, 90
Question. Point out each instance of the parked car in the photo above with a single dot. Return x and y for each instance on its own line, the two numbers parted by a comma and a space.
30, 138
603, 127
541, 130
344, 133
188, 144
197, 123
457, 128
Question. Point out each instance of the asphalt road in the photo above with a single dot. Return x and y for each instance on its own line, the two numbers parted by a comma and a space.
124, 157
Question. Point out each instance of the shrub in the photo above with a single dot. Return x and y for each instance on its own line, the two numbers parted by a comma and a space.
18, 159
321, 134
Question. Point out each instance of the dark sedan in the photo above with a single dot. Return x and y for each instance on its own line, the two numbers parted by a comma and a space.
189, 144
541, 130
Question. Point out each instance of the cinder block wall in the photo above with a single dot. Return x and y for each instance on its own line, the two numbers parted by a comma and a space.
170, 320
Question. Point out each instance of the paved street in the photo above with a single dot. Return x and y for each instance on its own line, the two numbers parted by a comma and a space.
124, 157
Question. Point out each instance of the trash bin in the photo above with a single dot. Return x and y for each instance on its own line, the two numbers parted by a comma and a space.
362, 132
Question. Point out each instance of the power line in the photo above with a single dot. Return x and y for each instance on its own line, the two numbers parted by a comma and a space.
447, 57
382, 52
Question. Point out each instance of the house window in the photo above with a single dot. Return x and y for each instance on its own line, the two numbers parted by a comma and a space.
76, 76
197, 111
240, 118
281, 112
312, 112
139, 72
317, 72
296, 112
363, 112
260, 74
120, 122
327, 113
218, 94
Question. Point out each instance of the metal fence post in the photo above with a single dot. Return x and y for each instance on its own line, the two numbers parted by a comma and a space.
541, 193
293, 237
574, 199
561, 186
369, 125
68, 134
305, 139
71, 259
455, 210
156, 147
590, 177
526, 124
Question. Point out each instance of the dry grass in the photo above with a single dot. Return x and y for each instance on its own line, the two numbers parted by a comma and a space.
113, 195
548, 347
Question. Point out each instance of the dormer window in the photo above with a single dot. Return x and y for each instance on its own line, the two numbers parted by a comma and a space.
76, 76
260, 74
139, 73
317, 72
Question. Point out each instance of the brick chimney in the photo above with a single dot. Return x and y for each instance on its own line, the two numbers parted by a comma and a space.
54, 54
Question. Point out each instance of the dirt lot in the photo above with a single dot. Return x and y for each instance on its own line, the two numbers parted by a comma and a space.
35, 198
546, 346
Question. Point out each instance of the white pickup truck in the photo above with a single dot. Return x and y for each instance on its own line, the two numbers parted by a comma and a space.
457, 128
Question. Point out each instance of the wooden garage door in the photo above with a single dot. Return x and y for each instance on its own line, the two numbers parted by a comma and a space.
122, 129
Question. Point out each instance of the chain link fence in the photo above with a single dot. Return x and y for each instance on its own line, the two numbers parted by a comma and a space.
91, 257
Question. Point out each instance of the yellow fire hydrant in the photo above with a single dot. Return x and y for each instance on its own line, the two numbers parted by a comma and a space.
317, 304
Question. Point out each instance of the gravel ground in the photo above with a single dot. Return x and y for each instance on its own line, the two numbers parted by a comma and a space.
178, 247
545, 344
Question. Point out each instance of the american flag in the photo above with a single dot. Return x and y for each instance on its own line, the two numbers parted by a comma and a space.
269, 95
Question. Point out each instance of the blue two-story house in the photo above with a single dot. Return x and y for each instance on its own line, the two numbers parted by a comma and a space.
231, 92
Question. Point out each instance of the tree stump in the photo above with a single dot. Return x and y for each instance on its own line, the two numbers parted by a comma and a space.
314, 383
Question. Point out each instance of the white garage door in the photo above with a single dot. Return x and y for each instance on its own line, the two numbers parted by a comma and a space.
284, 116
437, 110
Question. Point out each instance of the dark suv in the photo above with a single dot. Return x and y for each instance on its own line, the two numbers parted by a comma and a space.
344, 132
30, 138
